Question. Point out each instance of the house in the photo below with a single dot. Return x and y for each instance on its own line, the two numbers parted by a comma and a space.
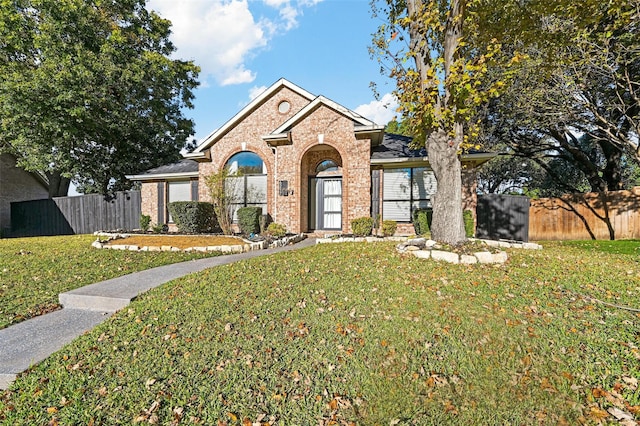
17, 184
310, 163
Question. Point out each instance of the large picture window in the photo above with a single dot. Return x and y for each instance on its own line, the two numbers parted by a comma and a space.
405, 190
247, 183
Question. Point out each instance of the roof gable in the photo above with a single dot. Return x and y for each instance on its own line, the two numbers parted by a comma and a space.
244, 112
363, 127
357, 119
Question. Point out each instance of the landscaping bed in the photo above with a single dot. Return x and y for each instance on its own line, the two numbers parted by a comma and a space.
189, 243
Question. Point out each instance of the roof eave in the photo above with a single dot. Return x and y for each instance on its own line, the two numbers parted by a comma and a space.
162, 176
373, 132
476, 158
278, 139
198, 156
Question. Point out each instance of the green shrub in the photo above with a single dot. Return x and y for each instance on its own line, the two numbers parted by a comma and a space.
145, 222
249, 219
193, 217
469, 228
422, 221
389, 227
276, 230
362, 226
159, 228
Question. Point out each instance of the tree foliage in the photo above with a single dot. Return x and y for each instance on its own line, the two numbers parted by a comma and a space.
573, 105
440, 53
88, 91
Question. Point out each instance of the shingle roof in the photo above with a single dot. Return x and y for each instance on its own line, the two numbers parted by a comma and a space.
396, 146
180, 166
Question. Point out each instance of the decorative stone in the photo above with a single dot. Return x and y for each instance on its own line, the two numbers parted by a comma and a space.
531, 246
430, 243
154, 248
175, 249
422, 254
165, 248
468, 259
133, 248
492, 243
484, 257
417, 242
412, 248
96, 244
445, 256
200, 249
500, 257
504, 244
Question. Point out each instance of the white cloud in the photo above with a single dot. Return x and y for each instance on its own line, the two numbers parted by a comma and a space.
380, 112
256, 91
219, 35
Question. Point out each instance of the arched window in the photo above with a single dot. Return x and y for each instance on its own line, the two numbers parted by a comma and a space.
327, 166
247, 183
246, 163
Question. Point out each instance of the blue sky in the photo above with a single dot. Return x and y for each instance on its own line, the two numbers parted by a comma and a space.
245, 46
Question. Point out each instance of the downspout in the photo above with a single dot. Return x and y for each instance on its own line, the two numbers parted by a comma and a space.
275, 184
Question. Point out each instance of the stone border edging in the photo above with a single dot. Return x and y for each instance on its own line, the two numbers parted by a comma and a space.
430, 249
226, 249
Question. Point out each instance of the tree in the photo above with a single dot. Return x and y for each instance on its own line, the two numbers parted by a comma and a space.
439, 52
88, 91
579, 110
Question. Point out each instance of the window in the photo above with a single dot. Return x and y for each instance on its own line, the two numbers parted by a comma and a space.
179, 190
326, 166
248, 183
406, 190
284, 107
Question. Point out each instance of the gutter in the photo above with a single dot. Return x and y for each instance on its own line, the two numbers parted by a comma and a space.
478, 158
163, 176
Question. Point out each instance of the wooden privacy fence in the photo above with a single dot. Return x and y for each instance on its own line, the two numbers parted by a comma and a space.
610, 215
83, 214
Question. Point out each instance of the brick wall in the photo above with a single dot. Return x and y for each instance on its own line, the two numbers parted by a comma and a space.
296, 162
149, 195
16, 185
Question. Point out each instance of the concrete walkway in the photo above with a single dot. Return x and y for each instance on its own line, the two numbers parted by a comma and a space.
29, 342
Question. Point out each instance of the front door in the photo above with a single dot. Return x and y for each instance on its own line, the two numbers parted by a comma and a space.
325, 195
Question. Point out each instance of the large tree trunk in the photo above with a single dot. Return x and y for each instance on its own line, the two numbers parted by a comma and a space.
447, 225
58, 184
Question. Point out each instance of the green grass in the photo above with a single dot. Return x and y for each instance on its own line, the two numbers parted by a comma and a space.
357, 334
33, 271
631, 247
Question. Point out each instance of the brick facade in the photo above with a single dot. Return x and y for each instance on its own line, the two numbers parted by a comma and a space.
292, 142
296, 162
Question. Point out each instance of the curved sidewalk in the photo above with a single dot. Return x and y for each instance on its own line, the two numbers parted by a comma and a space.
29, 342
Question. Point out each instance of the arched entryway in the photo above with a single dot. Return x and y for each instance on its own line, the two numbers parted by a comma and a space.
322, 173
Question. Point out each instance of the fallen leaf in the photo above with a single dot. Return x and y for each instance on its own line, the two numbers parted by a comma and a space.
619, 414
598, 413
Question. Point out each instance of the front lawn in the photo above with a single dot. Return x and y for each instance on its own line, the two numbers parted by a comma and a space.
33, 271
357, 334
